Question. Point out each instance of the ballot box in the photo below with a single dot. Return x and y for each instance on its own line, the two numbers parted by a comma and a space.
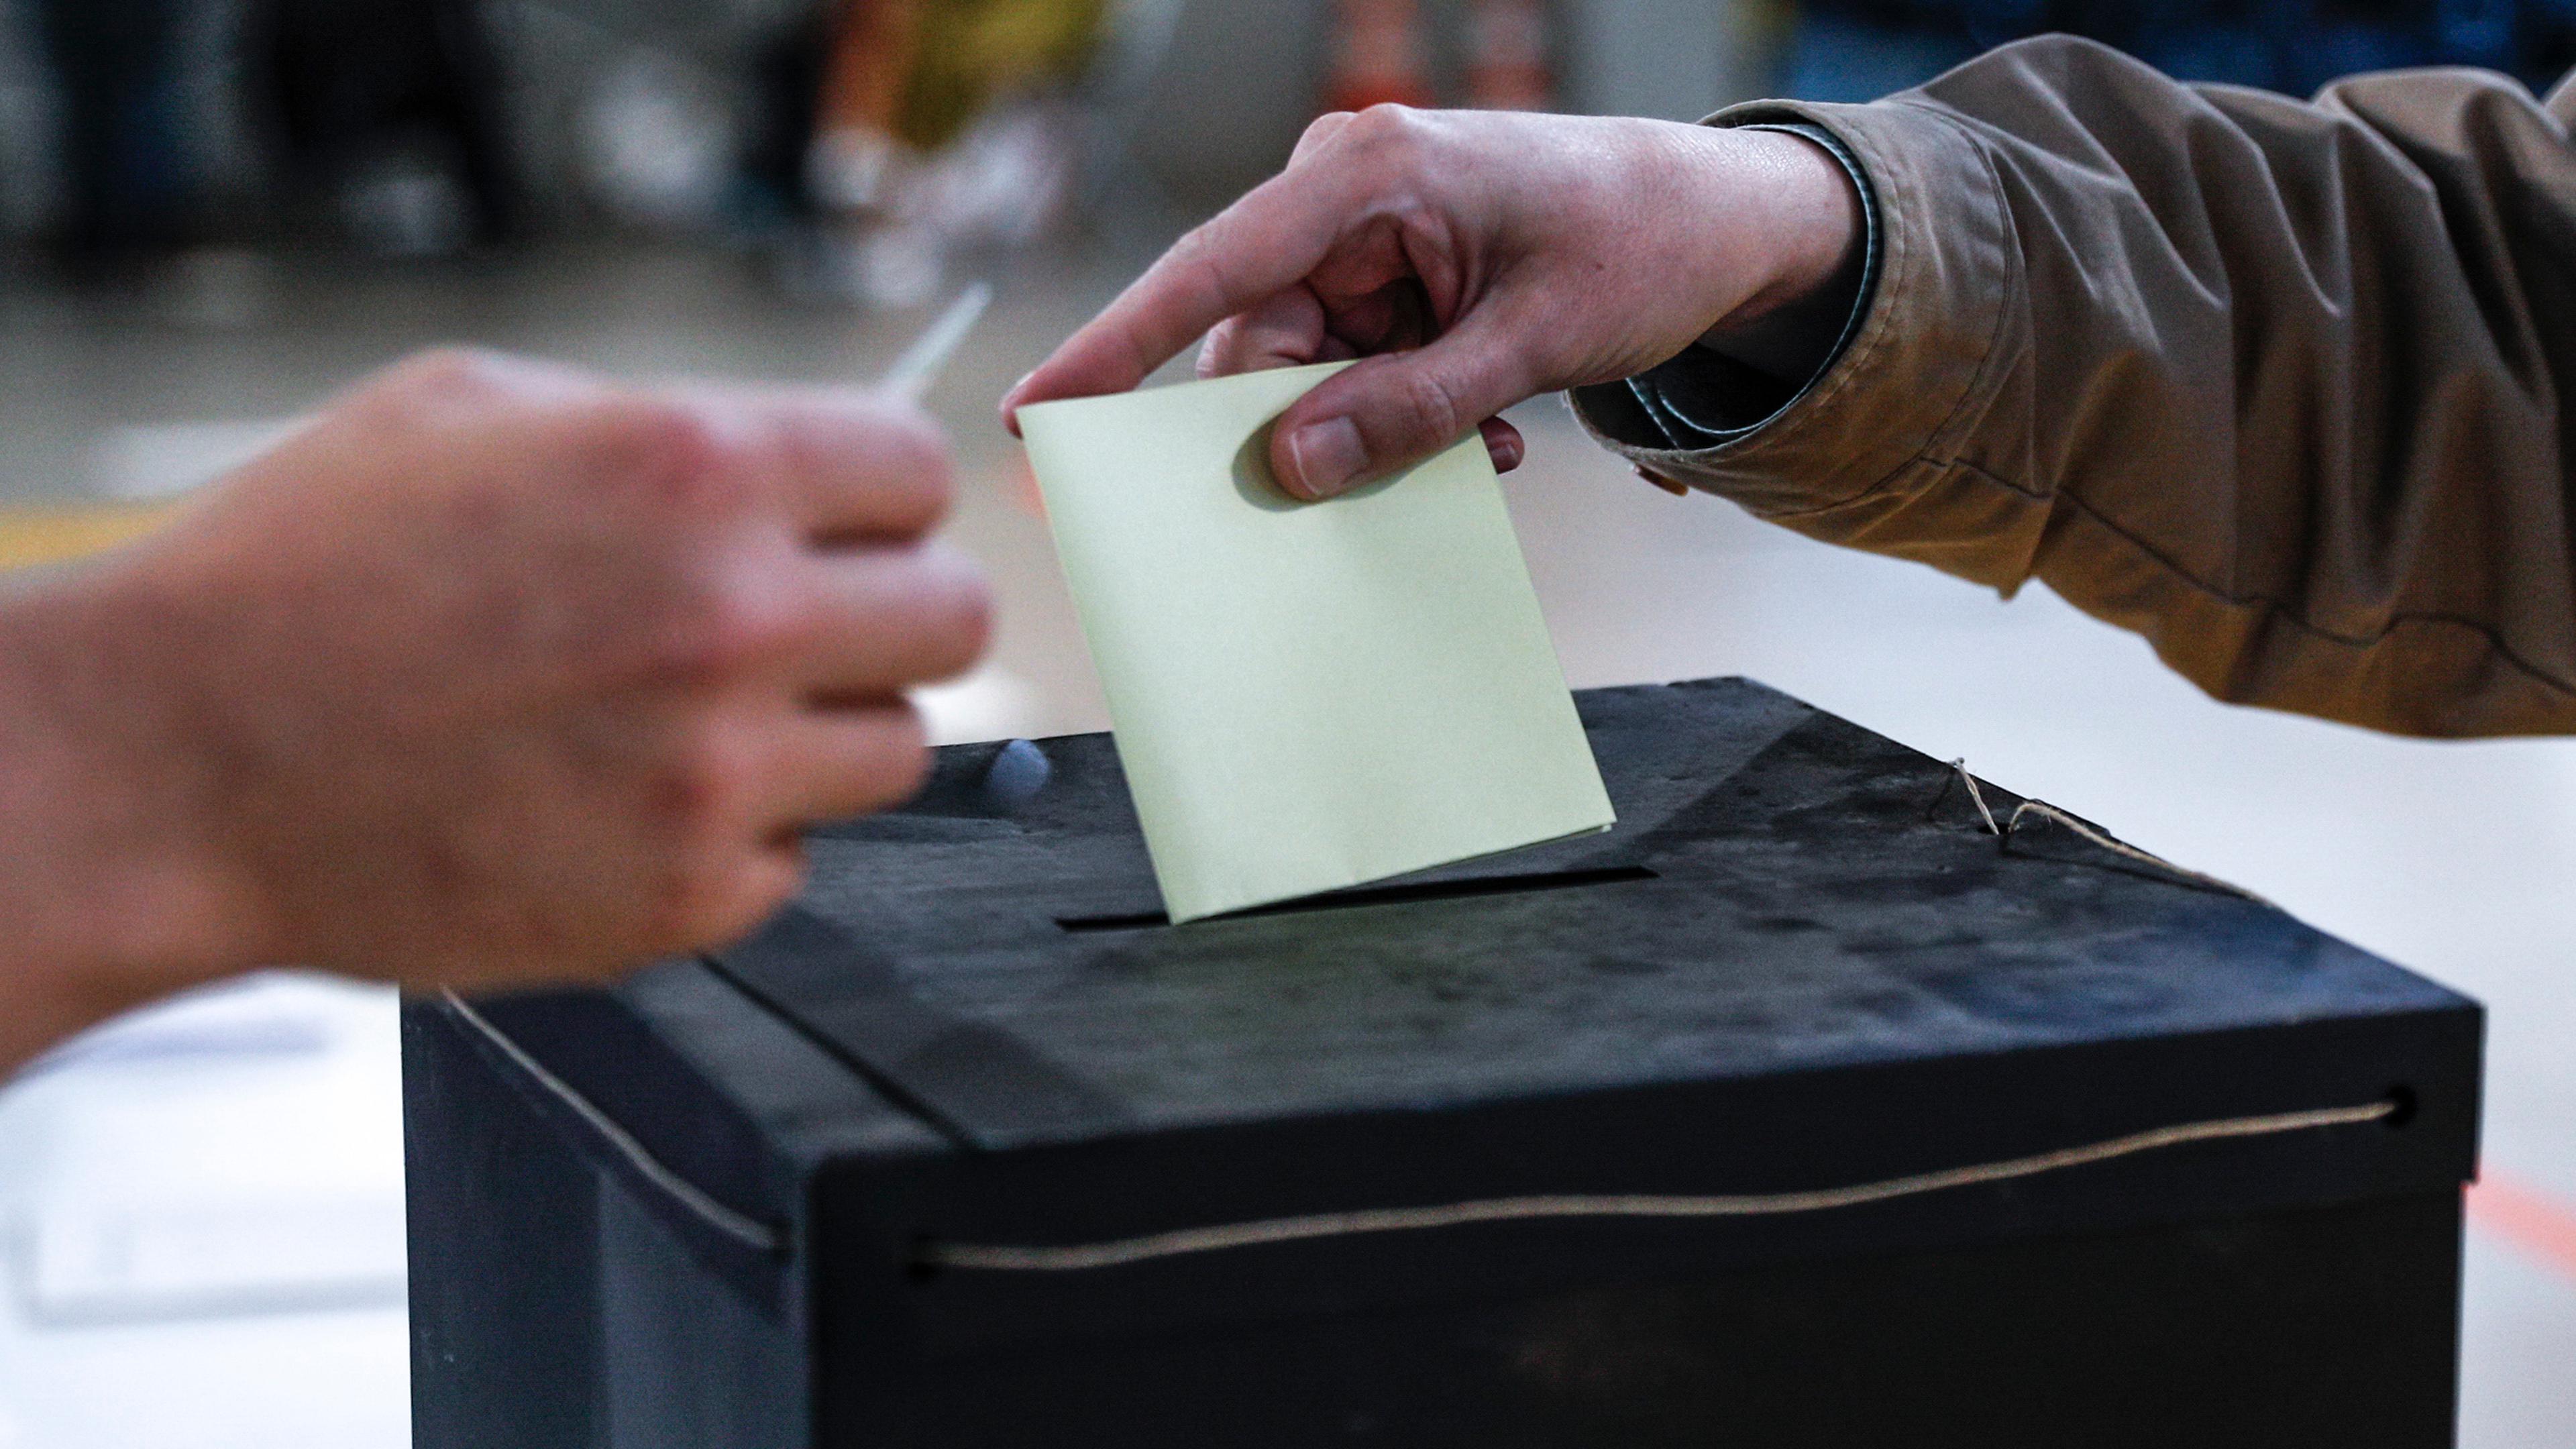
1822, 1102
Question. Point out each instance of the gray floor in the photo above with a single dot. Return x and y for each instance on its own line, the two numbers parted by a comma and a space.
2452, 858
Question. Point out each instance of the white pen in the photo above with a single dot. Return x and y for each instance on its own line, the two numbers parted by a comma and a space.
921, 363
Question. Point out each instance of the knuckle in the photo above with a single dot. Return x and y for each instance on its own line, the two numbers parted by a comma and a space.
892, 451
912, 433
1427, 407
898, 762
664, 439
1200, 253
975, 609
966, 626
1386, 135
432, 386
678, 462
1218, 350
464, 377
702, 791
1325, 125
883, 433
452, 370
911, 447
947, 614
885, 761
737, 625
737, 891
1322, 129
686, 901
1386, 123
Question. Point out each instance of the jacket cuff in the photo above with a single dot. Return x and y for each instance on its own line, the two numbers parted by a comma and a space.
1926, 344
1704, 398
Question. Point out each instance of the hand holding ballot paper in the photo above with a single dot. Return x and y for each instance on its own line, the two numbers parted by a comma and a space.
1314, 695
1306, 696
1472, 260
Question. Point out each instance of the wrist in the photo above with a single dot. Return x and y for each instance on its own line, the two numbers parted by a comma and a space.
1814, 237
1813, 229
112, 879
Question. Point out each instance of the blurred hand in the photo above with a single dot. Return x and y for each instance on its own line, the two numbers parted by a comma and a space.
1475, 259
495, 674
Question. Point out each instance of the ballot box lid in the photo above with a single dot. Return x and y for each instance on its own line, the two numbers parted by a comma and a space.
1803, 963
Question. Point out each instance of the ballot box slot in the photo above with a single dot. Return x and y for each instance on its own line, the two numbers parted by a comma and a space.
1526, 883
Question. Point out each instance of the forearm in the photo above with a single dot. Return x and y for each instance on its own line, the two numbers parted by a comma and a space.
2266, 382
109, 899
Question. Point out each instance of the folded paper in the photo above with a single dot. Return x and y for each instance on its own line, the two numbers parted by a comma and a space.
1306, 696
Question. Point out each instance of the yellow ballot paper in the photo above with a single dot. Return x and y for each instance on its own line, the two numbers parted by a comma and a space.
1306, 695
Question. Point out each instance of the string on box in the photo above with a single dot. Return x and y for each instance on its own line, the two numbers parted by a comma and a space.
934, 1254
2005, 831
1076, 1257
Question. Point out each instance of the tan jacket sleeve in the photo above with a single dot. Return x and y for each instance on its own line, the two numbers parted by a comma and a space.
2273, 384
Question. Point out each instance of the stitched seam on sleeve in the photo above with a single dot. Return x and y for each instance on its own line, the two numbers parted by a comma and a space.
2275, 608
1901, 303
2016, 272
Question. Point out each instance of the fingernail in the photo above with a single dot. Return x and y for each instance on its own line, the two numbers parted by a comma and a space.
1327, 455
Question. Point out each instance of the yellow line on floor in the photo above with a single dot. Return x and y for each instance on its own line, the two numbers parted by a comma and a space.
31, 536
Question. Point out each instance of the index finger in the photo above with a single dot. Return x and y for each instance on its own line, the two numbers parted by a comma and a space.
1265, 242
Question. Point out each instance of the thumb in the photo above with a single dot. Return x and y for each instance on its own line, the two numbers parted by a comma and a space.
1387, 413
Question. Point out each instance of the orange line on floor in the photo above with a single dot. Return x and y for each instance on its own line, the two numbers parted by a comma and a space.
2525, 1216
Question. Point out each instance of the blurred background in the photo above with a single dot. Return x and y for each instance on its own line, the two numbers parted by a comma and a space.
215, 213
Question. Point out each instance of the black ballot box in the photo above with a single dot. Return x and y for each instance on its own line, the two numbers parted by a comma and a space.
1801, 1109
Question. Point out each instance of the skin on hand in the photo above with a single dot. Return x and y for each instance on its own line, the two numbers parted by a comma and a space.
1474, 259
495, 675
